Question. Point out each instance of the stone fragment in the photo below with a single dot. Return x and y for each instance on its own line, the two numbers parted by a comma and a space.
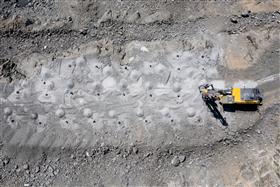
245, 14
140, 112
50, 85
87, 112
60, 113
112, 113
182, 158
190, 112
134, 17
176, 87
159, 16
175, 161
233, 20
8, 111
135, 150
6, 161
37, 169
106, 17
25, 167
70, 84
34, 116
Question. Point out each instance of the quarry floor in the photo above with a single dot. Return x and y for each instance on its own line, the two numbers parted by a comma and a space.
102, 93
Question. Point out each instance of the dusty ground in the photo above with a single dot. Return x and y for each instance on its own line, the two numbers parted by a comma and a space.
104, 93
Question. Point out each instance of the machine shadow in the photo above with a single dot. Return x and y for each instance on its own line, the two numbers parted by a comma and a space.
243, 107
212, 105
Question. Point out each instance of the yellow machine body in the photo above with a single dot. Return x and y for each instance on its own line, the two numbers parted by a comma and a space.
240, 96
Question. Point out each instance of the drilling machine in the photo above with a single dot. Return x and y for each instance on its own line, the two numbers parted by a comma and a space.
232, 96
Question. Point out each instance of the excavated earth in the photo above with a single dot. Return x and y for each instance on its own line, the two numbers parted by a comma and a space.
105, 93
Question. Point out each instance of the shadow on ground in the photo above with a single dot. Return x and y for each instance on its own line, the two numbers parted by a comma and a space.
213, 106
233, 108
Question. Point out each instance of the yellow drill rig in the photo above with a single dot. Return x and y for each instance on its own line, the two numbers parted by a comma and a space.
230, 99
233, 96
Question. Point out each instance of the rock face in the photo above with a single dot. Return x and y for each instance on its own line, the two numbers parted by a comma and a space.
105, 93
